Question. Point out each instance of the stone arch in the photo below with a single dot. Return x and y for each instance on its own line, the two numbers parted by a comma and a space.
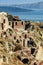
4, 34
25, 60
31, 42
10, 31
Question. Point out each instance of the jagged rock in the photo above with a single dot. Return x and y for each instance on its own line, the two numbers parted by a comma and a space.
20, 41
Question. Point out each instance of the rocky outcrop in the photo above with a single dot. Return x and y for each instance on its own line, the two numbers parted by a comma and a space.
20, 41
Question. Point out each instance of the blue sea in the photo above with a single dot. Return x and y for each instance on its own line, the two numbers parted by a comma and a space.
34, 15
30, 15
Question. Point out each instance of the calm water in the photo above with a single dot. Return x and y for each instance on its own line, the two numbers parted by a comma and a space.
35, 15
31, 15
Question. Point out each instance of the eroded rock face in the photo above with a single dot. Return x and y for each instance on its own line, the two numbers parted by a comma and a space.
13, 18
41, 25
17, 45
40, 52
31, 43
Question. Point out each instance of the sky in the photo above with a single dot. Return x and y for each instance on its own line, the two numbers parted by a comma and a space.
10, 2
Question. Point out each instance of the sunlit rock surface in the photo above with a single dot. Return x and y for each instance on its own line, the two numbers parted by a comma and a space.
21, 42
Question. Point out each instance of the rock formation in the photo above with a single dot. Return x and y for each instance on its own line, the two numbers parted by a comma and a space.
21, 42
